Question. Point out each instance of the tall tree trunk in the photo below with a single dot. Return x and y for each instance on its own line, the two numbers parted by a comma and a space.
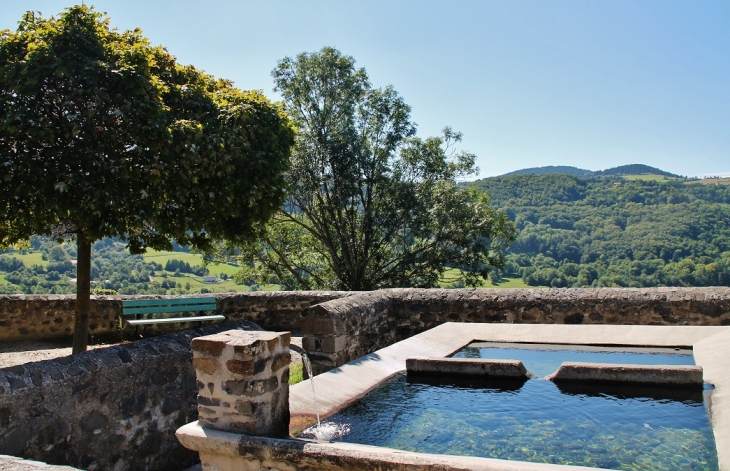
83, 295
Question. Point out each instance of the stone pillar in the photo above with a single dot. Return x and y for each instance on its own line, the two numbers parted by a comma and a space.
243, 382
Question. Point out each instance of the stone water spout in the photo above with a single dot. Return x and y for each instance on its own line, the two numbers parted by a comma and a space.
298, 349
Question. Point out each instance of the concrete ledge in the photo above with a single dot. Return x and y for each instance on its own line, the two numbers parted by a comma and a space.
467, 367
13, 463
225, 451
679, 376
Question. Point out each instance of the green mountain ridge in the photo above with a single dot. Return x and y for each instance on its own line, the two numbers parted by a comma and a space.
594, 231
631, 169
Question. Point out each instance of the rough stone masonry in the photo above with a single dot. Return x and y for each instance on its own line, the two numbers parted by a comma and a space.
243, 382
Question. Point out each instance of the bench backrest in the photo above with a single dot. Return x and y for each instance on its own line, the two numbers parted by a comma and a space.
150, 306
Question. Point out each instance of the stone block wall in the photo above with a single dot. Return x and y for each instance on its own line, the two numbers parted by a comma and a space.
114, 408
344, 329
31, 317
274, 310
25, 317
419, 310
341, 326
337, 332
243, 382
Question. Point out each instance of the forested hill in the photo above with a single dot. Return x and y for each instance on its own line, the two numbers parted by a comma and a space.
561, 169
606, 231
633, 169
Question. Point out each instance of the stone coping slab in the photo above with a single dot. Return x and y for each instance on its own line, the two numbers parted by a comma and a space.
13, 463
677, 376
340, 387
467, 367
226, 451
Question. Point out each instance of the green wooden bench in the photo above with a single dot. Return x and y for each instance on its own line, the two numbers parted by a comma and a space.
145, 311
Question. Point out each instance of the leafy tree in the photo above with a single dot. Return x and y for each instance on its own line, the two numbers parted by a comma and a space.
8, 289
370, 205
10, 263
57, 254
178, 265
104, 135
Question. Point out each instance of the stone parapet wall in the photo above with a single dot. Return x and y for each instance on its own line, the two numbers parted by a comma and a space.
274, 310
378, 319
29, 317
25, 317
336, 333
424, 309
32, 317
342, 326
112, 408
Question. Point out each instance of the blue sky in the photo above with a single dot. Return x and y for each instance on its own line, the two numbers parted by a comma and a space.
530, 83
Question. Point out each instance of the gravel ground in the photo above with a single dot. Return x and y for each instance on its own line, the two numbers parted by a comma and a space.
27, 351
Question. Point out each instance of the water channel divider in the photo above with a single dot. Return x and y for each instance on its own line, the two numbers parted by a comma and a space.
680, 376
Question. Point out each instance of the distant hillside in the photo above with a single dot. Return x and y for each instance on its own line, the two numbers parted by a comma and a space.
633, 169
614, 230
561, 169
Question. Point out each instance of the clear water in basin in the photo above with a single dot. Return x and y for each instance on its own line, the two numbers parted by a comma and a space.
542, 360
535, 420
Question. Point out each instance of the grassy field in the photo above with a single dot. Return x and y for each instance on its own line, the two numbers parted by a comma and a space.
162, 257
193, 259
29, 259
510, 283
712, 181
196, 282
451, 273
650, 177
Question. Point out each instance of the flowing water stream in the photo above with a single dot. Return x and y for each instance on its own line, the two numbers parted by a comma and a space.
327, 430
308, 366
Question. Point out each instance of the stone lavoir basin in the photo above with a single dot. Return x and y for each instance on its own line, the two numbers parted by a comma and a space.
664, 438
439, 407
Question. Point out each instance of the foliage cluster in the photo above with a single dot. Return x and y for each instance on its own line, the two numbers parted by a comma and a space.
610, 232
184, 267
370, 205
104, 135
113, 271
